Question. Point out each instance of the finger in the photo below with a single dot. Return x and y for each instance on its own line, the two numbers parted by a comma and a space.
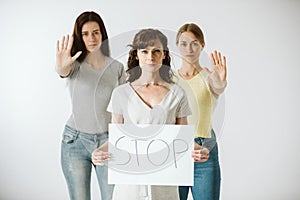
224, 68
219, 57
101, 153
57, 46
212, 59
62, 42
216, 57
76, 56
224, 61
70, 43
98, 162
66, 42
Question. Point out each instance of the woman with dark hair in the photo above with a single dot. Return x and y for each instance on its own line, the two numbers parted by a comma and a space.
149, 97
84, 60
203, 87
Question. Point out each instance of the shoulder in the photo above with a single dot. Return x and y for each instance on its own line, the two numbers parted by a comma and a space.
113, 62
177, 88
122, 89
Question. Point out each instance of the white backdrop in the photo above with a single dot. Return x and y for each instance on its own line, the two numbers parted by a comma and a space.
259, 143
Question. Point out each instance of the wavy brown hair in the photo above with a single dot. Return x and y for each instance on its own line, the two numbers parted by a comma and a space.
78, 44
142, 39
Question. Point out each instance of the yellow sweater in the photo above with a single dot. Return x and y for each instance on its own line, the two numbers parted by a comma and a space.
201, 102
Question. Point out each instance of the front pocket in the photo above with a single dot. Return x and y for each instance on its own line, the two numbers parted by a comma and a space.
69, 137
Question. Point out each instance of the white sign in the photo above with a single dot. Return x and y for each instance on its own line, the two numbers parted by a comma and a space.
151, 154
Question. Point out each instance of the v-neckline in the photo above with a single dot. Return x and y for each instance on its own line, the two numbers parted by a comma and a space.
144, 103
97, 70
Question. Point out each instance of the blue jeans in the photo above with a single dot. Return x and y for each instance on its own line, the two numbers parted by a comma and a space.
76, 151
207, 175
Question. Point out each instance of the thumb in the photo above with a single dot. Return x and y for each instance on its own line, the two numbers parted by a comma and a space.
76, 56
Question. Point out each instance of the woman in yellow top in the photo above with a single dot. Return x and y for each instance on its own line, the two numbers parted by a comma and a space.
203, 88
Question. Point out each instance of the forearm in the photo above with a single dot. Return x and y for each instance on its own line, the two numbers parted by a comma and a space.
63, 71
217, 86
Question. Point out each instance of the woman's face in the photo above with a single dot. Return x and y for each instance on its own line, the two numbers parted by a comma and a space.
151, 58
189, 47
91, 36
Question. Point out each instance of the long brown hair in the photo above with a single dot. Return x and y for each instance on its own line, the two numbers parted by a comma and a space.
195, 29
78, 44
142, 39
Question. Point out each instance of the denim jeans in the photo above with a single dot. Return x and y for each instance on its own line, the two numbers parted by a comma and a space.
207, 175
76, 161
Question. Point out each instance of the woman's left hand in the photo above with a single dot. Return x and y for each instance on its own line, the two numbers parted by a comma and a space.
200, 155
218, 64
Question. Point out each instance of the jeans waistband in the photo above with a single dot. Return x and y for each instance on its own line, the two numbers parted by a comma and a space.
86, 135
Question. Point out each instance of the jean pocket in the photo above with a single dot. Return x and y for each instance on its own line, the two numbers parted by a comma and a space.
69, 137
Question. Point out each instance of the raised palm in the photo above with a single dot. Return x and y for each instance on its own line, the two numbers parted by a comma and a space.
218, 65
63, 52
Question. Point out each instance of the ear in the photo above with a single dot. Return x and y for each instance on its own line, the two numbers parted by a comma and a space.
164, 55
136, 57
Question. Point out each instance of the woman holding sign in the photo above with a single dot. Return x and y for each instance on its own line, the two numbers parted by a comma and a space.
203, 88
158, 101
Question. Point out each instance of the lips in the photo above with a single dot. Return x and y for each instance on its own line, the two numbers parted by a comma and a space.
189, 55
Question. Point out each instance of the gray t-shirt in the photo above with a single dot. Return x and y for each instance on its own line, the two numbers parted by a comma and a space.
90, 91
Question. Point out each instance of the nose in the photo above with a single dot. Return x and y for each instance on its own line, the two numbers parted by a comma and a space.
150, 56
91, 37
190, 48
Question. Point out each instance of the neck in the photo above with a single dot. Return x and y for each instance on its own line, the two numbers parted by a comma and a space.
189, 68
95, 58
149, 78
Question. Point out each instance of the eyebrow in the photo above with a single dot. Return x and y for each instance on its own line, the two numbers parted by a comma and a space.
191, 41
92, 30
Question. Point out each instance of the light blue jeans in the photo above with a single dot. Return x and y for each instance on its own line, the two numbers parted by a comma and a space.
76, 162
207, 175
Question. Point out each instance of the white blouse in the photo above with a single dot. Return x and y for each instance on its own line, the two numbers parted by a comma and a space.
125, 101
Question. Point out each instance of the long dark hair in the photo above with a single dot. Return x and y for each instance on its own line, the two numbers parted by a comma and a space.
78, 44
142, 39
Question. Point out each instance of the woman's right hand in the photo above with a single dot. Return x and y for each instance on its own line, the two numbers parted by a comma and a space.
64, 59
99, 156
200, 153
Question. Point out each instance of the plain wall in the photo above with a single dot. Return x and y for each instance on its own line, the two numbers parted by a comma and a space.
258, 140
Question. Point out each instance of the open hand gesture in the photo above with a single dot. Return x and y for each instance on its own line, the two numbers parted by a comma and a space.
64, 59
219, 65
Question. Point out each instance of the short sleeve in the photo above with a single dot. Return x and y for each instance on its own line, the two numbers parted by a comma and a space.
183, 109
122, 77
114, 106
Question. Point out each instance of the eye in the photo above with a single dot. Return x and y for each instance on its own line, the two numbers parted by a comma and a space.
144, 51
157, 51
195, 44
96, 32
183, 44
